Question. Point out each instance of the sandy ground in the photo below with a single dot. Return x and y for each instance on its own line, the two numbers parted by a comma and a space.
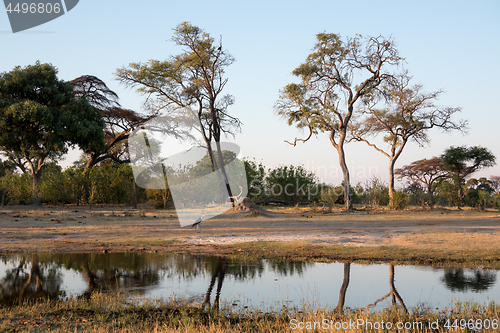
118, 228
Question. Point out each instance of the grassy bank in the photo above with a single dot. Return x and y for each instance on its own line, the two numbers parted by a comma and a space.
113, 313
306, 251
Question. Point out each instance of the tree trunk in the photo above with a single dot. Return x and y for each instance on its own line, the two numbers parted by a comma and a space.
343, 289
215, 166
90, 163
36, 181
212, 157
347, 182
391, 178
134, 194
461, 202
224, 174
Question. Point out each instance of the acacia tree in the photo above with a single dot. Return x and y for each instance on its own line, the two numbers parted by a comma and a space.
463, 161
118, 122
407, 115
195, 80
40, 118
325, 99
426, 172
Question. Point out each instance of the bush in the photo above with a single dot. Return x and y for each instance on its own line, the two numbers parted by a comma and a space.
332, 195
54, 187
399, 200
159, 198
256, 173
19, 188
292, 183
376, 192
110, 184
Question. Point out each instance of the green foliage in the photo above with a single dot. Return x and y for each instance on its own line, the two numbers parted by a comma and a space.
463, 161
104, 184
159, 198
292, 183
18, 188
40, 117
447, 190
399, 200
376, 192
40, 114
110, 184
204, 166
256, 174
332, 195
496, 200
54, 186
479, 193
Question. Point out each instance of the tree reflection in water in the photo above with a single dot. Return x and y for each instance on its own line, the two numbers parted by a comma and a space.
102, 272
219, 270
343, 288
479, 280
42, 282
40, 276
396, 297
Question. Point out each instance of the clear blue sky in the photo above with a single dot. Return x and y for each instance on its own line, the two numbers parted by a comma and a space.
449, 45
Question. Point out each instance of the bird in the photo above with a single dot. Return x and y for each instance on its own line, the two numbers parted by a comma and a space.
198, 222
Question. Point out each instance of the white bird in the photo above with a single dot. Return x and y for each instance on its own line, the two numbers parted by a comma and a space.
198, 222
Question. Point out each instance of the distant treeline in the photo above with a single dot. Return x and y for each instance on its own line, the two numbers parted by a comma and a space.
113, 183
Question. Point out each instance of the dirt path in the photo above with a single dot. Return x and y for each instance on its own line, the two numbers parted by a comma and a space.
116, 228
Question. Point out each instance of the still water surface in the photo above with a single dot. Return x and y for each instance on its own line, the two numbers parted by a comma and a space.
264, 283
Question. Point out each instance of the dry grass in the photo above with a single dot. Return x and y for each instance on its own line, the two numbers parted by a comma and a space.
334, 235
112, 313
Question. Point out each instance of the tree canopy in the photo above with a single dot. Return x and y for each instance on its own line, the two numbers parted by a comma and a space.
325, 99
118, 122
40, 117
463, 161
191, 82
402, 112
427, 172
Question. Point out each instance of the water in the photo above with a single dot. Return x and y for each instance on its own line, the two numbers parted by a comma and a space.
265, 283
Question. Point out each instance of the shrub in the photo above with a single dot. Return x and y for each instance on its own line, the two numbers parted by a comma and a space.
376, 192
18, 188
399, 200
292, 183
256, 174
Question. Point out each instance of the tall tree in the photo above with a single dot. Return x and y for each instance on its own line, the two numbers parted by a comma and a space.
40, 118
325, 99
192, 80
401, 113
463, 161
